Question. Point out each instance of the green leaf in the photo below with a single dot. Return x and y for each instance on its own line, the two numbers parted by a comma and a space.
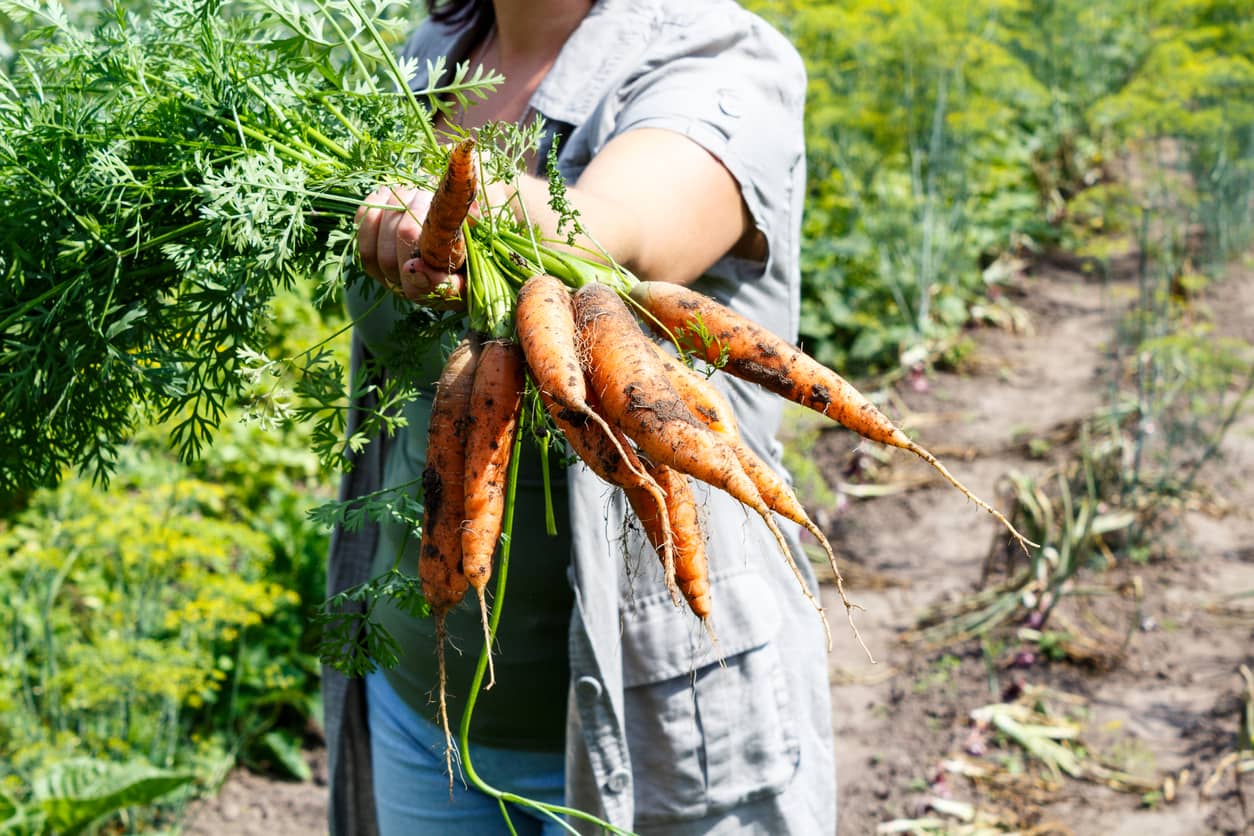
75, 793
283, 749
125, 321
19, 820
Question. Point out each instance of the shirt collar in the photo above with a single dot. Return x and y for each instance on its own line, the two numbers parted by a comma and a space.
607, 41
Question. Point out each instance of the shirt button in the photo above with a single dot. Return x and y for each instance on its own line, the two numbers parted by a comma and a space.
618, 781
588, 687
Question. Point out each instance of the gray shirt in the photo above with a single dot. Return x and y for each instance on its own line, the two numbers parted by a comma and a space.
669, 731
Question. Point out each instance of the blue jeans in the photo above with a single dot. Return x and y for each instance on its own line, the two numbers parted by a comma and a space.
411, 784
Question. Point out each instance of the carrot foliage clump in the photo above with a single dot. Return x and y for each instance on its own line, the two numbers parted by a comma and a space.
160, 177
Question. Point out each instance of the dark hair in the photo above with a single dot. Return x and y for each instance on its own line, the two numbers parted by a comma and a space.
471, 14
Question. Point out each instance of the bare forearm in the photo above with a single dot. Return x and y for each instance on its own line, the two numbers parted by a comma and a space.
605, 226
655, 201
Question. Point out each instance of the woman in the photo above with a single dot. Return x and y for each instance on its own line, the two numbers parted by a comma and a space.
679, 128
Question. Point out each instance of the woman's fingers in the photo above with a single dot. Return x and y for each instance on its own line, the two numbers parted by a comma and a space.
367, 218
398, 234
388, 224
432, 288
376, 235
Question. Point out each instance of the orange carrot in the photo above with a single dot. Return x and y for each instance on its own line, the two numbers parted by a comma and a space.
692, 572
611, 458
710, 406
635, 394
745, 349
440, 242
546, 331
495, 402
440, 555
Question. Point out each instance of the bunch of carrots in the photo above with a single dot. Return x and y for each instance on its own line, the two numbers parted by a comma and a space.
637, 415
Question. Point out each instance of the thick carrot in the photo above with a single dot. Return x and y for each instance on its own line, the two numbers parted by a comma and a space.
546, 331
636, 396
440, 555
440, 242
692, 571
611, 458
745, 349
705, 401
495, 403
440, 558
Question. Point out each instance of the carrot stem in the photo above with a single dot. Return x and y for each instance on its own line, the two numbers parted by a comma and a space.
509, 823
489, 298
463, 738
550, 519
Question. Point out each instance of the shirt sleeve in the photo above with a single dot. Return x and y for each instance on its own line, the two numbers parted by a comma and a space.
731, 83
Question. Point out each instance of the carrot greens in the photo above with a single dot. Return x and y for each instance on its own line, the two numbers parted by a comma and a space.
161, 176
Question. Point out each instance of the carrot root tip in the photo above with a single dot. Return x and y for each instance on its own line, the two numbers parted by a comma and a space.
922, 453
441, 635
487, 639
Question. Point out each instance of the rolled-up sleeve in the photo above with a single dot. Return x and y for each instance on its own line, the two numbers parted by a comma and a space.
736, 87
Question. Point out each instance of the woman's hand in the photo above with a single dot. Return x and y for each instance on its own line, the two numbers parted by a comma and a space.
388, 224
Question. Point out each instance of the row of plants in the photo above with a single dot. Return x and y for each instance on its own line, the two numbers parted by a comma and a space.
949, 141
943, 136
1112, 516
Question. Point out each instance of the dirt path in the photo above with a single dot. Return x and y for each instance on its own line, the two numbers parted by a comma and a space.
1170, 708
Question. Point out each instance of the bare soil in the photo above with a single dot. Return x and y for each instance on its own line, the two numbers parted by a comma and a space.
1167, 707
256, 805
1163, 706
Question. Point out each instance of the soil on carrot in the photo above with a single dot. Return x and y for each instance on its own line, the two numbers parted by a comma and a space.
1156, 700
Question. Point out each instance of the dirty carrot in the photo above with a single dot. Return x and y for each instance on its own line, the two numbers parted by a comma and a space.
495, 403
440, 555
546, 331
611, 458
745, 349
692, 571
636, 396
712, 408
440, 242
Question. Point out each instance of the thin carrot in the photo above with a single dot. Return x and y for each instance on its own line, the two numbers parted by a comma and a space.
440, 556
546, 331
745, 349
712, 408
611, 458
635, 394
495, 403
692, 571
440, 242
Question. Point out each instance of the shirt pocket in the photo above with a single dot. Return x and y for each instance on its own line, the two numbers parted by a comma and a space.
707, 722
